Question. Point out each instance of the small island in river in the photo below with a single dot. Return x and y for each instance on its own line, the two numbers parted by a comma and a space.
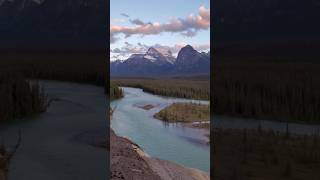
146, 106
185, 112
190, 114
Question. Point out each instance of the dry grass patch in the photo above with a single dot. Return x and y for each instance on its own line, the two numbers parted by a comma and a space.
184, 112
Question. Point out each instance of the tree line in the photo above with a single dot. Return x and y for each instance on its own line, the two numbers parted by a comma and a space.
19, 97
275, 91
173, 87
63, 66
115, 92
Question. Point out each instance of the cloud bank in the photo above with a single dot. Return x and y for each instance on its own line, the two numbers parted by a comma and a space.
124, 15
188, 26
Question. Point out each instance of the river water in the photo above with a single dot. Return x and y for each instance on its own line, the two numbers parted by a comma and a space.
173, 142
50, 148
278, 126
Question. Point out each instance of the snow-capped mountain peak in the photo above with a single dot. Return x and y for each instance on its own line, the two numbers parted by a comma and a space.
153, 52
159, 55
136, 56
165, 52
149, 57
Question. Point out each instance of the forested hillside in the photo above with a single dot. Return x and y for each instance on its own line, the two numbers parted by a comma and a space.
267, 59
86, 67
274, 91
187, 87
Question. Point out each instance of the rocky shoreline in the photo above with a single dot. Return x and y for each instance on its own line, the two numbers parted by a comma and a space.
129, 161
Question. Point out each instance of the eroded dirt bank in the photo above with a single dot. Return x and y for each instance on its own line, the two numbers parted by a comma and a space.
129, 161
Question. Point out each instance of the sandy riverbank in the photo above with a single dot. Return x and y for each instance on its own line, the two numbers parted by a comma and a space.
129, 161
146, 106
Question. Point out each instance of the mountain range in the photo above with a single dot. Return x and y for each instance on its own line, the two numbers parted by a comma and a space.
157, 62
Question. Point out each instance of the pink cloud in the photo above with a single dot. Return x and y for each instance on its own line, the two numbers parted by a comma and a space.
188, 26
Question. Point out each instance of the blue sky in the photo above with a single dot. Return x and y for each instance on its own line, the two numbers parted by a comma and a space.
170, 24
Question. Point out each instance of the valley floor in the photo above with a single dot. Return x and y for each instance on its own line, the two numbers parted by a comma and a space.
186, 87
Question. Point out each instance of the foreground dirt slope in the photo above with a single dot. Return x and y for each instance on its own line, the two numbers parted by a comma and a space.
3, 164
128, 161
